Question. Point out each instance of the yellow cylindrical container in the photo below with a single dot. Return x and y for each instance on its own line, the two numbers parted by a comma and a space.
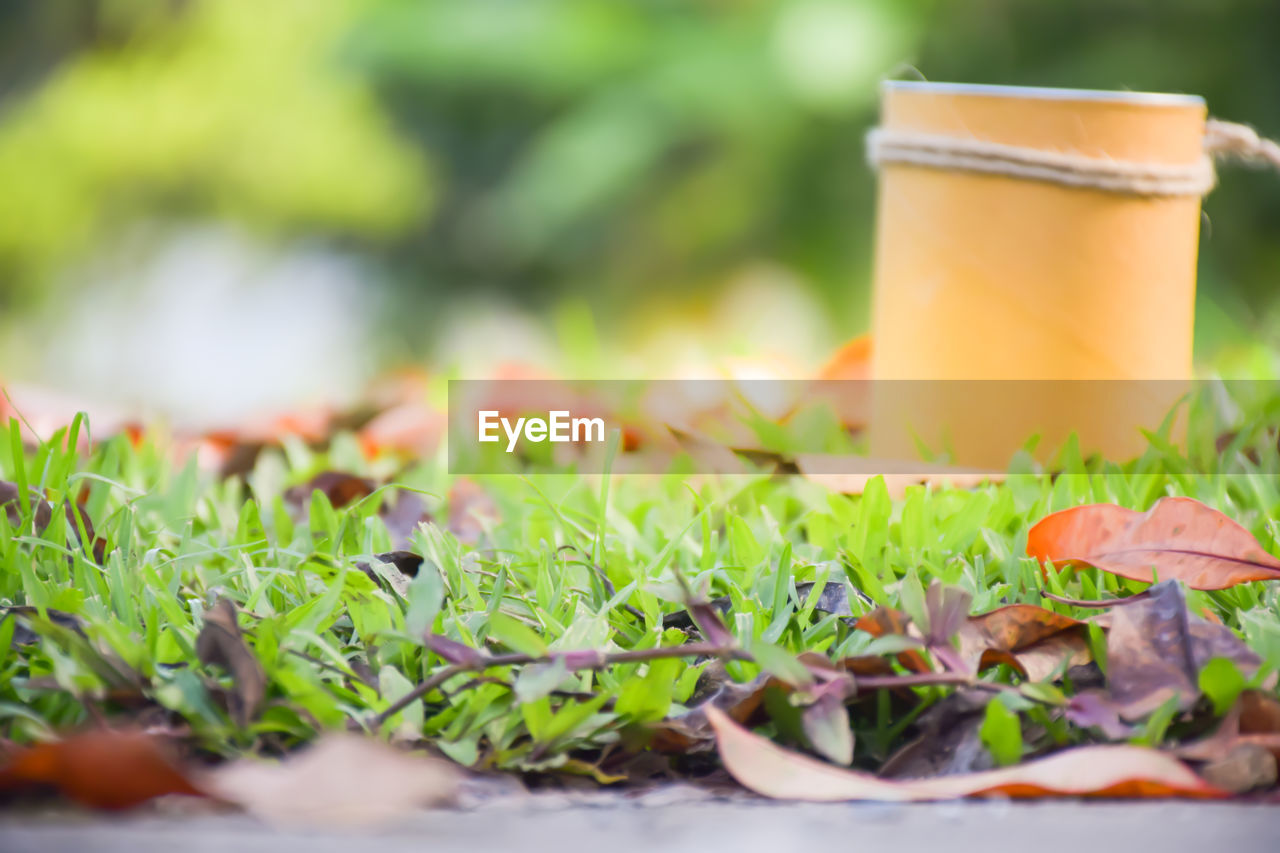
984, 276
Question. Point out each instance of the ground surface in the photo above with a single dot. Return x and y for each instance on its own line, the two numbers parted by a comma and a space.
679, 820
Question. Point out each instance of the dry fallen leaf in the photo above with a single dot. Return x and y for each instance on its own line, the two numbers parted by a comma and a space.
1033, 640
1254, 722
1259, 714
339, 487
1245, 767
886, 621
851, 475
42, 512
220, 642
947, 740
100, 769
1180, 538
342, 780
1102, 771
413, 429
1156, 649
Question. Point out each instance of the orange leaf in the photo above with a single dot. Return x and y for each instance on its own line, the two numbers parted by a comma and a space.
1101, 771
99, 769
886, 620
851, 361
1179, 537
413, 429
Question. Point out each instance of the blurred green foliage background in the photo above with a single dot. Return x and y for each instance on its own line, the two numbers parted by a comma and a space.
627, 158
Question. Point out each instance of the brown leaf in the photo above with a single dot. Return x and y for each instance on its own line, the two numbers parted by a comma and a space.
342, 779
24, 636
339, 487
851, 475
690, 731
1254, 721
1031, 639
710, 625
1155, 650
1245, 767
406, 562
886, 620
948, 740
1259, 713
1180, 538
1103, 771
220, 642
43, 514
99, 769
1051, 656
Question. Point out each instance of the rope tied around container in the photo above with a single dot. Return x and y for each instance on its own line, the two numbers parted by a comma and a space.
1223, 140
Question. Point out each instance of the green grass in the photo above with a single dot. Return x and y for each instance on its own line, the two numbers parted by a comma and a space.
567, 562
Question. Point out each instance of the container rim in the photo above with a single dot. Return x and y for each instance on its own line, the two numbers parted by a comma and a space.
1155, 99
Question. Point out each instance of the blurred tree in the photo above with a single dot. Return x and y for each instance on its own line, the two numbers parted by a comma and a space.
616, 148
605, 148
222, 109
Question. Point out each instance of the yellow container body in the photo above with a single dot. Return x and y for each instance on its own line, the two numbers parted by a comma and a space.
988, 277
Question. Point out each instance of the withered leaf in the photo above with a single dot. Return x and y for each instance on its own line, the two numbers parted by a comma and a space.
100, 769
841, 474
1180, 538
948, 740
24, 636
1034, 641
1259, 713
406, 562
1245, 767
341, 780
885, 621
1106, 771
221, 643
834, 598
707, 618
825, 721
691, 731
339, 487
1156, 648
1254, 722
42, 512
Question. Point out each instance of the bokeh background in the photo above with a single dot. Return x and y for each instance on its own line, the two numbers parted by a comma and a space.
212, 206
